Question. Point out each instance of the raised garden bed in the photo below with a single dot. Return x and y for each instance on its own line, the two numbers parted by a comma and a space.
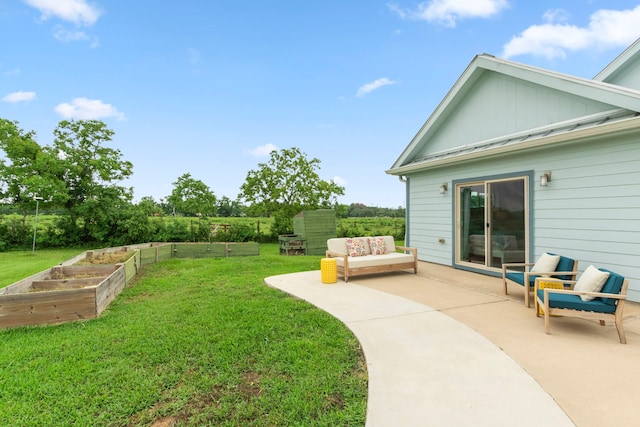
83, 287
62, 293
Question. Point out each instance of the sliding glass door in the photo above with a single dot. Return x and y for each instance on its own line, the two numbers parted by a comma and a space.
492, 222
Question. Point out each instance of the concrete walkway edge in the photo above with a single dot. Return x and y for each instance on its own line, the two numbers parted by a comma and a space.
425, 368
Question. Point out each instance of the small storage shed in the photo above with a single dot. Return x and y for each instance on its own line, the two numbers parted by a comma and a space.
316, 227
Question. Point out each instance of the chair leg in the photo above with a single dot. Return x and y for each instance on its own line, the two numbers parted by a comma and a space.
547, 326
623, 339
527, 300
546, 314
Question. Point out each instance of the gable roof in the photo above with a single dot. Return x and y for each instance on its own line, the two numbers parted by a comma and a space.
616, 104
627, 62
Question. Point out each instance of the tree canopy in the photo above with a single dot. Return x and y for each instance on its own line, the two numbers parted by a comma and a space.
191, 196
79, 178
27, 170
287, 184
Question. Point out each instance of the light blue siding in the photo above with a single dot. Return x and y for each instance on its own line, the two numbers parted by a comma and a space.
499, 105
590, 210
626, 76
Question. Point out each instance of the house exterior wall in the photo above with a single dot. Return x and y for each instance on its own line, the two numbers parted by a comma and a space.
500, 105
626, 76
589, 211
630, 79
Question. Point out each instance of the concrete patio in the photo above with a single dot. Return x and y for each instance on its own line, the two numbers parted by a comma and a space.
447, 347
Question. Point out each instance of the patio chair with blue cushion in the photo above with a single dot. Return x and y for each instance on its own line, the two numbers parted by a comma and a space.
598, 294
549, 265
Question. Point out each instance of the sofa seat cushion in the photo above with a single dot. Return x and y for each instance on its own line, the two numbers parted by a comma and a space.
376, 260
574, 302
518, 277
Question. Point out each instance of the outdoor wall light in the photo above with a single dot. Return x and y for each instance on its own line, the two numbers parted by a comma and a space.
545, 178
444, 188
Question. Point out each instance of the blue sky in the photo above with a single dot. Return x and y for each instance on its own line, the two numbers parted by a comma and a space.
210, 87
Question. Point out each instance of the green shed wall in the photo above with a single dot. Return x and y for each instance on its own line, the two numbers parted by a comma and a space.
316, 226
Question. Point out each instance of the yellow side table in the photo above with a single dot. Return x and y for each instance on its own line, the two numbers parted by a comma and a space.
329, 270
548, 283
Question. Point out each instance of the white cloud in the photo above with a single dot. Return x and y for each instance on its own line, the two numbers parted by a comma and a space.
556, 37
88, 109
556, 15
12, 73
448, 12
65, 35
340, 181
263, 150
19, 97
76, 11
376, 84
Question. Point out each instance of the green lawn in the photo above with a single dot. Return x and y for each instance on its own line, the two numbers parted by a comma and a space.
18, 265
191, 342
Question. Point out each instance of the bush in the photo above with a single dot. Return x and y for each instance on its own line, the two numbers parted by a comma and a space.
15, 234
236, 233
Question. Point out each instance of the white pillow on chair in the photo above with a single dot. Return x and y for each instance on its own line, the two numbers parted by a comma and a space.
592, 280
546, 263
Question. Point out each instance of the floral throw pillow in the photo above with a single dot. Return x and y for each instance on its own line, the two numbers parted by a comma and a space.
356, 247
377, 245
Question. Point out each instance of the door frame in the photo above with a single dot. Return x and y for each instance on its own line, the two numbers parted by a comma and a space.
456, 261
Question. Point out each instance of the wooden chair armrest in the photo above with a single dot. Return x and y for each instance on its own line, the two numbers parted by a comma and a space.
556, 279
552, 273
518, 264
507, 265
594, 294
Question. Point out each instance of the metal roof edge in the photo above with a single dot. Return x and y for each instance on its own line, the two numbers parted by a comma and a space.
450, 96
591, 132
618, 96
621, 60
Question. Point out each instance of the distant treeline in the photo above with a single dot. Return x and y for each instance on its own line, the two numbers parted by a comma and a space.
135, 226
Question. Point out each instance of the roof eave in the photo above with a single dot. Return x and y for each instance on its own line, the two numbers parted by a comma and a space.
569, 137
618, 96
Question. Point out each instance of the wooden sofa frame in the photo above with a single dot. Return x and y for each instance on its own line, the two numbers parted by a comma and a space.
347, 271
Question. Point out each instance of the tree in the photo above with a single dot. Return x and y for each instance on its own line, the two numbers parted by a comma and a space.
287, 184
149, 206
26, 170
77, 173
90, 172
228, 208
192, 197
